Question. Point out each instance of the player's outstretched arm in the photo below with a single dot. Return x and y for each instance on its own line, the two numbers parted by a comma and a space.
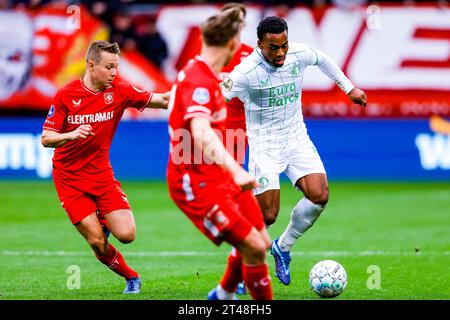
213, 151
159, 100
331, 69
52, 139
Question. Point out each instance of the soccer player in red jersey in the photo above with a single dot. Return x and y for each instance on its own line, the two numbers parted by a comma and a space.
80, 126
235, 110
204, 180
235, 107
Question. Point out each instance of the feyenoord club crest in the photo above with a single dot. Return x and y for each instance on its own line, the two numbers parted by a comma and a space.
109, 98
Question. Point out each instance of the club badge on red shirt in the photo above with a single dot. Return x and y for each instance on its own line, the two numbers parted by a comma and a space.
109, 98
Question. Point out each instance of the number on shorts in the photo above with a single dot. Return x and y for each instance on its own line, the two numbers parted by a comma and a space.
187, 187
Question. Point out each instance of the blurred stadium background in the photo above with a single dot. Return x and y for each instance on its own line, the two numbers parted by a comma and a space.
388, 164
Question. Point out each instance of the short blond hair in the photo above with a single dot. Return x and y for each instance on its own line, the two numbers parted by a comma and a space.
232, 5
97, 47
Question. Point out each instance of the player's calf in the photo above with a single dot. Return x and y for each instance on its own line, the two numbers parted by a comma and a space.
98, 243
254, 270
269, 202
114, 260
303, 216
258, 281
233, 272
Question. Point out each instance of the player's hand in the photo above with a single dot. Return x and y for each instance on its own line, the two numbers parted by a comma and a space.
160, 100
358, 96
166, 98
82, 132
245, 180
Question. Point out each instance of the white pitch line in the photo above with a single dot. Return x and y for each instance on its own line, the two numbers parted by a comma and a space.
201, 253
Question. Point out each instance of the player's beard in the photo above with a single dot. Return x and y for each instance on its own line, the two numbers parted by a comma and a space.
272, 61
278, 65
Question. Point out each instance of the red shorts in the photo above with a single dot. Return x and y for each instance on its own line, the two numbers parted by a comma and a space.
220, 213
237, 147
83, 198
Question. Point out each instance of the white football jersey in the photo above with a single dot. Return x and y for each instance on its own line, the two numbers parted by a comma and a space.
272, 95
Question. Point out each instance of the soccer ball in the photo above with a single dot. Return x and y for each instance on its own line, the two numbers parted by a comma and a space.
328, 278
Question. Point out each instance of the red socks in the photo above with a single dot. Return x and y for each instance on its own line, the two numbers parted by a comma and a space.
256, 277
233, 272
258, 281
114, 260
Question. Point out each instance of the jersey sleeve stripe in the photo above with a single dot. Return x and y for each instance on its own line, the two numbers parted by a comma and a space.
197, 115
317, 57
146, 104
198, 109
51, 129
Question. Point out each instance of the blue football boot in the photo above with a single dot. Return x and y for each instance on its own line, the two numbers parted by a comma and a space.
133, 286
282, 261
241, 289
212, 295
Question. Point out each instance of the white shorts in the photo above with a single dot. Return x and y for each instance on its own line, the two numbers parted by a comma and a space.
297, 160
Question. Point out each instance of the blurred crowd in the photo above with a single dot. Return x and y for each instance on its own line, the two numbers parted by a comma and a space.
132, 23
130, 27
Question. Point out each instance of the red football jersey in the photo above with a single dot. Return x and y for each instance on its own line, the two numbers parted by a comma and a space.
75, 105
196, 93
236, 112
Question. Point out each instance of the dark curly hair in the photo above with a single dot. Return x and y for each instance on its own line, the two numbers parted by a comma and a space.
271, 25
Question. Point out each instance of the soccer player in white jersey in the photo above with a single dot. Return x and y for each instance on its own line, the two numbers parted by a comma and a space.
269, 82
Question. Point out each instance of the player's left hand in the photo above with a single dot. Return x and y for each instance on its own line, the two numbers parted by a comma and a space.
358, 96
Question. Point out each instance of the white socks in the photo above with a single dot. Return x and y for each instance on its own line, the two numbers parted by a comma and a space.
303, 217
224, 295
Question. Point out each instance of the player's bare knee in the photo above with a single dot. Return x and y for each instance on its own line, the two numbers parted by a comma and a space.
258, 251
267, 242
270, 215
320, 197
126, 236
322, 200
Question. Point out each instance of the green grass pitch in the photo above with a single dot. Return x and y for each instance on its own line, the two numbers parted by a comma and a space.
366, 227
